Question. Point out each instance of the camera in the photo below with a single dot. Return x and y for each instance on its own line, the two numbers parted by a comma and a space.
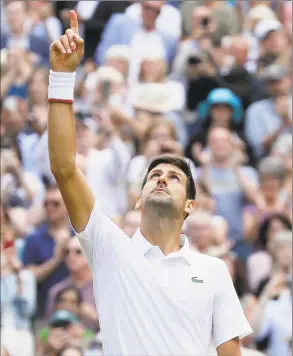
194, 60
205, 21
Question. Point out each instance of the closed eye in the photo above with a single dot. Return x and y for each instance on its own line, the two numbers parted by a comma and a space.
174, 176
154, 175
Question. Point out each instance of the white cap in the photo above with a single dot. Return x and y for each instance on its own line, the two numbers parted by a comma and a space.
264, 27
262, 12
118, 52
153, 53
103, 74
153, 97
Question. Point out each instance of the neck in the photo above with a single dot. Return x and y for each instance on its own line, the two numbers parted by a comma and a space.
81, 277
60, 224
17, 32
221, 164
162, 232
149, 28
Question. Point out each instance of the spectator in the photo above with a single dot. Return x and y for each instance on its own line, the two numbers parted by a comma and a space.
18, 33
220, 10
273, 113
118, 57
80, 277
167, 15
43, 22
272, 175
137, 35
229, 183
259, 263
44, 249
71, 351
221, 109
273, 314
18, 299
64, 330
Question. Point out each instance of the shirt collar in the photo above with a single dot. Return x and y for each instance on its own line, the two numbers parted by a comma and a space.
145, 246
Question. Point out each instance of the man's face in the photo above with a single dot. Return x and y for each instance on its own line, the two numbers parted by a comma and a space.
54, 206
150, 12
221, 114
85, 138
165, 191
270, 187
74, 257
279, 87
283, 255
16, 14
220, 143
199, 232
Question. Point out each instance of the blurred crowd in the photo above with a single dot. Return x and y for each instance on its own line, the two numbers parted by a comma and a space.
207, 80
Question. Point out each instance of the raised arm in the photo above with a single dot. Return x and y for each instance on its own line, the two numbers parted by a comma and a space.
65, 56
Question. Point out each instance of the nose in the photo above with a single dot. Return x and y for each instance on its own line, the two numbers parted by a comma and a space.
162, 181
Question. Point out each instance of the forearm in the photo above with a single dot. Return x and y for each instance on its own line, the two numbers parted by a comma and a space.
61, 140
258, 313
43, 271
271, 138
250, 191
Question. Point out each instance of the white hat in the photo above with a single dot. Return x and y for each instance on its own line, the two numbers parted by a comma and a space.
153, 97
264, 27
152, 53
103, 74
118, 52
262, 12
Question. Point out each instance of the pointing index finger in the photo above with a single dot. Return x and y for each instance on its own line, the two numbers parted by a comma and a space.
74, 22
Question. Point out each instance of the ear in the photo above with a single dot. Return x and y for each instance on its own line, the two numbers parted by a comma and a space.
190, 207
138, 203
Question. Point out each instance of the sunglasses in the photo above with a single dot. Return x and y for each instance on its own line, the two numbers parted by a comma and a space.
77, 251
54, 203
151, 9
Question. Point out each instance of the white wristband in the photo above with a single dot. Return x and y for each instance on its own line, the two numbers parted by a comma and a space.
61, 86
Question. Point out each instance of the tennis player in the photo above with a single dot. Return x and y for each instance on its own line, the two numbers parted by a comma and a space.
154, 295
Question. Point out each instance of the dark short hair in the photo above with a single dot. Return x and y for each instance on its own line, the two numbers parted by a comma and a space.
178, 162
68, 289
262, 242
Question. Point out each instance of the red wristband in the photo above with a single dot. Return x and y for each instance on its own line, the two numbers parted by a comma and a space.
60, 101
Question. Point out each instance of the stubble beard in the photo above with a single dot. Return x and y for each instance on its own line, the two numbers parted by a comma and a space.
161, 208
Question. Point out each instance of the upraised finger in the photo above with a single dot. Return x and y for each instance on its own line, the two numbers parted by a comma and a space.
73, 21
65, 43
69, 33
57, 46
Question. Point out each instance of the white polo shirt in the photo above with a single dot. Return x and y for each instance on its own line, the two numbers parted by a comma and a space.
152, 304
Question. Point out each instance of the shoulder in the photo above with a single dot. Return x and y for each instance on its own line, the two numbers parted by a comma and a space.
38, 40
210, 263
121, 20
58, 287
258, 105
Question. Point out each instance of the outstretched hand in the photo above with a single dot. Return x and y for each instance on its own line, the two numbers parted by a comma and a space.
67, 52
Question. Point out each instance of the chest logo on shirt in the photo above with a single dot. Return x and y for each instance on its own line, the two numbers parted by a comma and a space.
196, 280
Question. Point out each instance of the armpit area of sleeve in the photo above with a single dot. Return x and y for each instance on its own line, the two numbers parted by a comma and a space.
89, 230
227, 334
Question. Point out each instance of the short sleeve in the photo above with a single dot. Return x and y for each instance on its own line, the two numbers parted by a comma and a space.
30, 254
102, 239
229, 320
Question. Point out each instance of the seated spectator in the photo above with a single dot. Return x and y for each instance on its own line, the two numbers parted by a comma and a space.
118, 57
272, 174
272, 319
282, 148
18, 34
122, 29
259, 263
273, 113
200, 231
221, 109
43, 22
273, 42
229, 183
44, 249
16, 70
65, 329
80, 277
18, 300
167, 15
220, 11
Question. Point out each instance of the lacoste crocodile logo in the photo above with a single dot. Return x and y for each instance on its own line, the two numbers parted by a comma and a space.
196, 280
